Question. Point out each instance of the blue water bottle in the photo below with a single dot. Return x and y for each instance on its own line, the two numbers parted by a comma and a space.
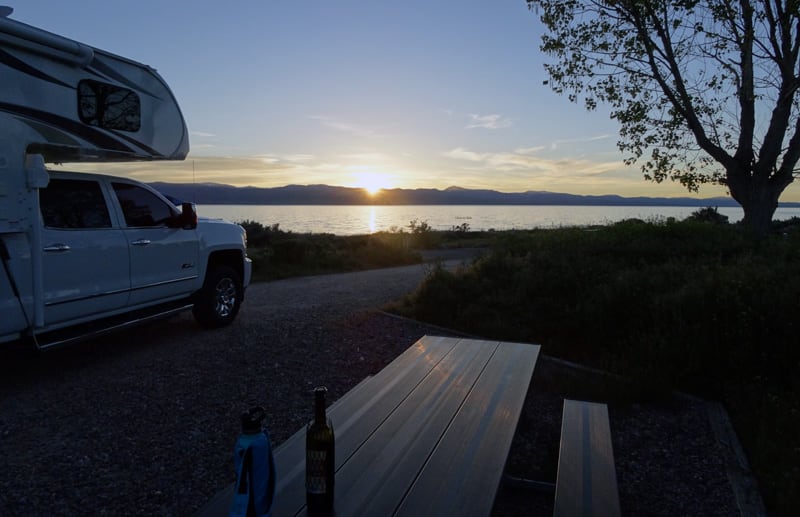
255, 469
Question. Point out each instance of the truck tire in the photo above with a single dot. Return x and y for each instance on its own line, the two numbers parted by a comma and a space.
218, 302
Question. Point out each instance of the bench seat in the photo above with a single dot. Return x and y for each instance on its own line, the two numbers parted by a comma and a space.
586, 483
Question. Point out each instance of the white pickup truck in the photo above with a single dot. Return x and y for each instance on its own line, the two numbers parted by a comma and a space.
85, 253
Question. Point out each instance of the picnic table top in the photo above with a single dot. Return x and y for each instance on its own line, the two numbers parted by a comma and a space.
427, 435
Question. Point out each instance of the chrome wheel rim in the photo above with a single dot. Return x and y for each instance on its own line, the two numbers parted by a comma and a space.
225, 296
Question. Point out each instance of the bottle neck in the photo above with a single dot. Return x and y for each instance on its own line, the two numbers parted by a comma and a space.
319, 409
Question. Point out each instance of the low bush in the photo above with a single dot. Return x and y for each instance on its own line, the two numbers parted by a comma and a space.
708, 215
280, 254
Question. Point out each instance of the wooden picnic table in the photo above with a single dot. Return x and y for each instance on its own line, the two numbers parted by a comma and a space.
427, 435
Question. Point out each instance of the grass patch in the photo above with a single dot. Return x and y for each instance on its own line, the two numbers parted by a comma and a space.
280, 254
695, 305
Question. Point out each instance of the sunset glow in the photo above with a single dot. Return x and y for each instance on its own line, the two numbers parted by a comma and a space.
261, 88
372, 182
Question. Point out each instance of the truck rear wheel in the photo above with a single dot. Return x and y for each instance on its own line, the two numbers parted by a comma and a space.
218, 302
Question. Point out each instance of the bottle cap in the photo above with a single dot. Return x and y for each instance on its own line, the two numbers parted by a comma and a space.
320, 392
252, 418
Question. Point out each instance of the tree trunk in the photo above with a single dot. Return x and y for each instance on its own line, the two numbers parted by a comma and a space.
759, 201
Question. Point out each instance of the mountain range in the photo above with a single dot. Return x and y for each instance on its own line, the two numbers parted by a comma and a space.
220, 194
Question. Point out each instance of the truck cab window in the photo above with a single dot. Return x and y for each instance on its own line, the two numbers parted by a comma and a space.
141, 207
73, 204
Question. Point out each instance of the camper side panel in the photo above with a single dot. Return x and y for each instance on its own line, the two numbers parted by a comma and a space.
94, 107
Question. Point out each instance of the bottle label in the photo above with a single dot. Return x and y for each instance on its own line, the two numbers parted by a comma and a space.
315, 472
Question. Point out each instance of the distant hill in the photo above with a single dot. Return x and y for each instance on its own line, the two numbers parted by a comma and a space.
219, 194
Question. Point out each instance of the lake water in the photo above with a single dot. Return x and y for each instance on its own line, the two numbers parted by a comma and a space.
353, 220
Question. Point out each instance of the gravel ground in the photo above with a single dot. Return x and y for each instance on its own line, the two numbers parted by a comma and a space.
144, 422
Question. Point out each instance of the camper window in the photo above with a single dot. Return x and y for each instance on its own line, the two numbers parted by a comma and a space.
109, 106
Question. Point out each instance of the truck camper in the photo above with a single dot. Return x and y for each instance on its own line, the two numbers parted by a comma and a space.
83, 253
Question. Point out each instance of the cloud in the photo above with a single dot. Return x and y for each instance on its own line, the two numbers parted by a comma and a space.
531, 169
365, 157
504, 162
201, 134
262, 170
530, 150
343, 126
488, 122
196, 147
557, 143
463, 154
284, 158
527, 162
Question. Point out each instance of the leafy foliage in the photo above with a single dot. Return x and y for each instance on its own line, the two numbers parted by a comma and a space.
704, 91
280, 254
423, 235
709, 215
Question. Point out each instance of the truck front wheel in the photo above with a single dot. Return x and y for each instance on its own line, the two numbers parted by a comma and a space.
217, 303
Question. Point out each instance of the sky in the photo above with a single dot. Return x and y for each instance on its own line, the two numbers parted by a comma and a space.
359, 93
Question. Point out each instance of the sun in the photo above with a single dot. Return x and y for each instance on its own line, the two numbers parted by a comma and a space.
372, 182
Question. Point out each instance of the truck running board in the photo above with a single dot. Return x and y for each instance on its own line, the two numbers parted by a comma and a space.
62, 337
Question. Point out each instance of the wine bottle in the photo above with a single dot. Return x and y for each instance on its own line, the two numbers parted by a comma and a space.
320, 460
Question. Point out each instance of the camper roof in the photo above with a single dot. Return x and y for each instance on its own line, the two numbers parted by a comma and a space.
71, 102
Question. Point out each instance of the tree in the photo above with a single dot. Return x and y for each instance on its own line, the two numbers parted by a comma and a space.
704, 91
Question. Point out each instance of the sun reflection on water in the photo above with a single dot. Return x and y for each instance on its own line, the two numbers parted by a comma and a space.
373, 226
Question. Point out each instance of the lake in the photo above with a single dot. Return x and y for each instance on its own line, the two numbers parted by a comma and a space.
354, 220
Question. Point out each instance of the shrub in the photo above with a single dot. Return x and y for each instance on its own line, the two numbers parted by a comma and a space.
279, 254
460, 229
708, 215
260, 235
423, 236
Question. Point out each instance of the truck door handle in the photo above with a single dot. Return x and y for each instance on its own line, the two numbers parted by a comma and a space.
56, 248
141, 242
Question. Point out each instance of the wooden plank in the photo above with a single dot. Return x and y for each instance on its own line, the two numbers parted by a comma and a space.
379, 474
356, 417
587, 481
462, 475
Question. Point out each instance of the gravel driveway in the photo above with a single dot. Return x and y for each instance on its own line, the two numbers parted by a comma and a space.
144, 422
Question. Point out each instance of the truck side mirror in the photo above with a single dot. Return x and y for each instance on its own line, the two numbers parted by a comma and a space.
188, 216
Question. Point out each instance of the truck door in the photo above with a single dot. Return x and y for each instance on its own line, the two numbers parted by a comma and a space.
163, 258
84, 258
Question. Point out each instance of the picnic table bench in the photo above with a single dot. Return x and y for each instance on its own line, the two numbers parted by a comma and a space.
427, 435
587, 479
